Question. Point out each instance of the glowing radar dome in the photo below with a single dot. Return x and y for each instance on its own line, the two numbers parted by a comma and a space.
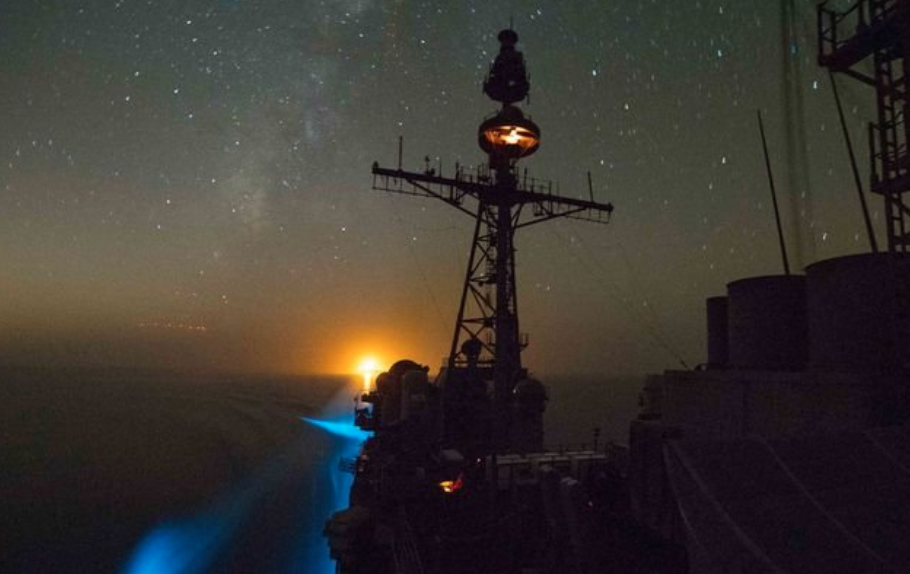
509, 134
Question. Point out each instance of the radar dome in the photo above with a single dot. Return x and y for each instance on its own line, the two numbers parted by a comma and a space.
401, 367
530, 390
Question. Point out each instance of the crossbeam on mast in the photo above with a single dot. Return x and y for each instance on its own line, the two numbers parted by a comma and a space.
545, 204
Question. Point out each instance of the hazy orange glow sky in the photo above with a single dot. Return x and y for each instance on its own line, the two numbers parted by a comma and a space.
205, 165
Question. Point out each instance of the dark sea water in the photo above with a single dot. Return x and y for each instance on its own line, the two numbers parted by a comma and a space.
127, 472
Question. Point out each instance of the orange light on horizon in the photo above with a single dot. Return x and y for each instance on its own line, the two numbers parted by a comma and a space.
368, 367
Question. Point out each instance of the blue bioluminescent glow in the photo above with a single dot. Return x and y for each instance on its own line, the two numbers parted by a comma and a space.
187, 547
340, 427
194, 545
334, 490
191, 545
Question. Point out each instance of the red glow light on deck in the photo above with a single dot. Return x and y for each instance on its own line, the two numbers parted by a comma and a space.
450, 486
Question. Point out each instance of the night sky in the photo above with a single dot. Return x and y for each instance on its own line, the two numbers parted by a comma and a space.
186, 184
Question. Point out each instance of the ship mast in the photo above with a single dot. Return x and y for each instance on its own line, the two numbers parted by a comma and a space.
487, 343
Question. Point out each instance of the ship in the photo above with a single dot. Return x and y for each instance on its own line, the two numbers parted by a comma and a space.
787, 451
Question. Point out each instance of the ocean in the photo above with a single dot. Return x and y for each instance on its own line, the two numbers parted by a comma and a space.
138, 472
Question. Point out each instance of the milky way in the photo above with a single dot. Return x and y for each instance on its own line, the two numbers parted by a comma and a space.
186, 184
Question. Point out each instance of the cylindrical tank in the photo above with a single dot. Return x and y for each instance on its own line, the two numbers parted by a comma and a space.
718, 332
859, 308
767, 322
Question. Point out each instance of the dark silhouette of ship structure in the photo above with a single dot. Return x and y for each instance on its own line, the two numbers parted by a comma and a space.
787, 452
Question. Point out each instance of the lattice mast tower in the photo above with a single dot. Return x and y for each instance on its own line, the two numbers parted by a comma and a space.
878, 30
487, 342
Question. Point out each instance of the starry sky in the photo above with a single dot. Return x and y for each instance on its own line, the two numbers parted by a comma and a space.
186, 184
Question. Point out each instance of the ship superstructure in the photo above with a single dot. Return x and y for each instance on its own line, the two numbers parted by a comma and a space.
786, 452
456, 477
789, 450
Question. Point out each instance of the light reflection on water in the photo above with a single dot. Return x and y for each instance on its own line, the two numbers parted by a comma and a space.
185, 547
195, 544
348, 439
341, 427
